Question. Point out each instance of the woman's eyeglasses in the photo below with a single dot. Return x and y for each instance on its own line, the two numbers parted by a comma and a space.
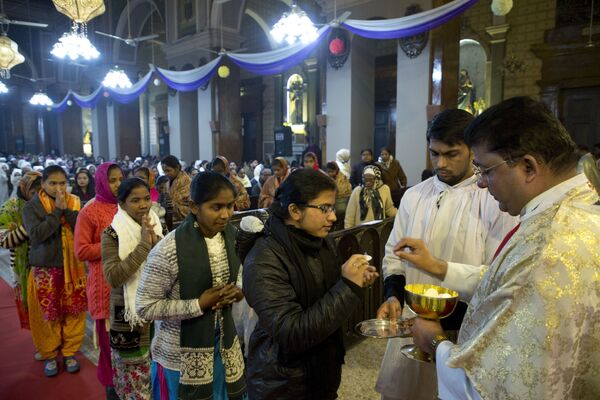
325, 208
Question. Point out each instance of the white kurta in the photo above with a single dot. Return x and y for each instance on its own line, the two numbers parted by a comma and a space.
460, 223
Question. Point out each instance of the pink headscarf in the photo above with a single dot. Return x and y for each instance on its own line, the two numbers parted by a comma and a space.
103, 192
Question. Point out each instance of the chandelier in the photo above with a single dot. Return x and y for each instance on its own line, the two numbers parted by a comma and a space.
293, 26
40, 99
116, 78
3, 88
75, 44
9, 56
80, 11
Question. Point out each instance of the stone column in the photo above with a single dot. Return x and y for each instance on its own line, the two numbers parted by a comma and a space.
231, 143
99, 131
112, 129
183, 126
205, 116
497, 33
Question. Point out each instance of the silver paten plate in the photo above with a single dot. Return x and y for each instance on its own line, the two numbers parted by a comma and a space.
385, 328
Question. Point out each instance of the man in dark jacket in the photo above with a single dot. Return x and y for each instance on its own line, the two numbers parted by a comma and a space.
258, 182
366, 156
56, 295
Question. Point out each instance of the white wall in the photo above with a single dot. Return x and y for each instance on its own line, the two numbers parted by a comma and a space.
411, 118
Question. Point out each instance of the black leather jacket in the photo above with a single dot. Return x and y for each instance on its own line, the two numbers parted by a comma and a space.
289, 339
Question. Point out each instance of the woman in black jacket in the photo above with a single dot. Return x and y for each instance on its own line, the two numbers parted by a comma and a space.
294, 282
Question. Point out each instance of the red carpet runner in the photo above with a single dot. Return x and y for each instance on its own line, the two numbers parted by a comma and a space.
22, 378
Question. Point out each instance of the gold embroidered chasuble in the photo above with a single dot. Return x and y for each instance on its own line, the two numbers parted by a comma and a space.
532, 330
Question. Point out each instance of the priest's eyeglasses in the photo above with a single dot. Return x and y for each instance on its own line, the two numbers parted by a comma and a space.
484, 172
325, 208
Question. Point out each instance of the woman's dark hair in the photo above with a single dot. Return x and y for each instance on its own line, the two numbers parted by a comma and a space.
145, 170
171, 161
449, 126
300, 187
91, 186
385, 149
218, 161
127, 186
161, 180
52, 169
332, 165
310, 154
207, 185
369, 150
520, 126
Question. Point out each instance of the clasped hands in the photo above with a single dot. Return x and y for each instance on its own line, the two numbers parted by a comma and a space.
220, 296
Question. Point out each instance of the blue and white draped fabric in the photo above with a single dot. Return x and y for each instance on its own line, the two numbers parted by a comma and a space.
90, 100
409, 25
279, 60
62, 106
189, 80
130, 94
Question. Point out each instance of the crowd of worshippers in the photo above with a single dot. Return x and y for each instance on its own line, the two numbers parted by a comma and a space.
185, 306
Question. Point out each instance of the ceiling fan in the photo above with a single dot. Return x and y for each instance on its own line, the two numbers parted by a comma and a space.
5, 21
130, 41
33, 80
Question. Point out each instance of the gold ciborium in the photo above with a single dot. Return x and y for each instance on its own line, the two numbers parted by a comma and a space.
423, 301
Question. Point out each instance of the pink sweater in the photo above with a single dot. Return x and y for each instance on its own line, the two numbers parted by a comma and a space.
91, 222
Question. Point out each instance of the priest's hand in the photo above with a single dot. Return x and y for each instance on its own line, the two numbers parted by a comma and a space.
415, 251
424, 330
390, 309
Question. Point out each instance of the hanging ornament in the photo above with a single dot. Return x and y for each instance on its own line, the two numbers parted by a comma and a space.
339, 47
9, 56
336, 46
501, 7
223, 71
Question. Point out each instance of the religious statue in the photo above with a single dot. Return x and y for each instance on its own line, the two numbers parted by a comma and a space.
466, 92
296, 88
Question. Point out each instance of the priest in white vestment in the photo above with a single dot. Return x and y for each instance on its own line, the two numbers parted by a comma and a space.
458, 221
532, 329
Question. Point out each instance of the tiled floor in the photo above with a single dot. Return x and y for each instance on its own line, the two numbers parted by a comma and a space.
359, 374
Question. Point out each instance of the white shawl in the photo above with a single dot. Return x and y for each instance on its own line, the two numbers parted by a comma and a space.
130, 235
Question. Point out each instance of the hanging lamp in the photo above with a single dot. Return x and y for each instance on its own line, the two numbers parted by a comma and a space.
9, 56
293, 26
75, 44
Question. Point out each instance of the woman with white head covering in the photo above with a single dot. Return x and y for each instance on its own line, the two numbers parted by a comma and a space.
369, 201
3, 182
342, 158
15, 178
